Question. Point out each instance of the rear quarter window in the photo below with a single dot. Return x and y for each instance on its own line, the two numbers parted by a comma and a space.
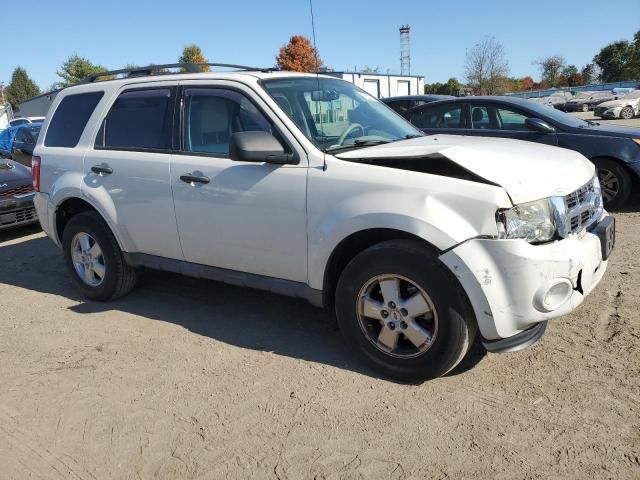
70, 118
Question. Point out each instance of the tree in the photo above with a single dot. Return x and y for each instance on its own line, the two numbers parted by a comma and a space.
632, 69
21, 87
368, 69
588, 73
298, 55
486, 67
551, 69
433, 87
450, 88
193, 54
76, 69
614, 60
527, 83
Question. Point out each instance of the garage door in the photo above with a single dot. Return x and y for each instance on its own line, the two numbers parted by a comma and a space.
403, 87
372, 87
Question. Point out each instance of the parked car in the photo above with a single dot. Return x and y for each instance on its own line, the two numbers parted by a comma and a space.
22, 120
16, 195
406, 102
626, 107
17, 143
306, 185
583, 102
614, 150
555, 100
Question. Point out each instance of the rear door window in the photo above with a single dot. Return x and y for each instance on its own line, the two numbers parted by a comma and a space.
439, 116
139, 120
70, 118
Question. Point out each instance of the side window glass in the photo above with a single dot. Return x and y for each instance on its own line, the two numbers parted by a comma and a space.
510, 120
442, 116
70, 118
212, 115
481, 118
139, 120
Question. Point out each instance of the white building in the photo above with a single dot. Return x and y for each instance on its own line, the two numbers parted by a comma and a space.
381, 85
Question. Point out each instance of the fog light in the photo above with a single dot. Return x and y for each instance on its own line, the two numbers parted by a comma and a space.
552, 295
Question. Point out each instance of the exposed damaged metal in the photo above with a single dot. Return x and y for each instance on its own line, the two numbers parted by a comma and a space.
433, 164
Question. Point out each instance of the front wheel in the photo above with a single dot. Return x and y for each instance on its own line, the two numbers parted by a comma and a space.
403, 312
626, 113
615, 182
94, 258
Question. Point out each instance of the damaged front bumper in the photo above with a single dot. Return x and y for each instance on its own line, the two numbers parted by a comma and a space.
513, 286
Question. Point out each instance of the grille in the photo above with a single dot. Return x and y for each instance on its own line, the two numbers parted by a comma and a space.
19, 216
12, 192
580, 209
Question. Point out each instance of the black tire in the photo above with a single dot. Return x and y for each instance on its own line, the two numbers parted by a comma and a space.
627, 113
622, 179
456, 324
119, 278
585, 107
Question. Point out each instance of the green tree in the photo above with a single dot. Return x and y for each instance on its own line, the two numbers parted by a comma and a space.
20, 88
632, 69
614, 60
433, 87
588, 73
75, 69
450, 88
193, 54
551, 69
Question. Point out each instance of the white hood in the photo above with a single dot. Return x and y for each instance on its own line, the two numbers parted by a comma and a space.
527, 171
621, 102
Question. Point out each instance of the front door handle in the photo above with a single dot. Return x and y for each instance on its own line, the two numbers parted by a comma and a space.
190, 178
102, 169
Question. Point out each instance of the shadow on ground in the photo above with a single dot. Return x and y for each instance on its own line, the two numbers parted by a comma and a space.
243, 317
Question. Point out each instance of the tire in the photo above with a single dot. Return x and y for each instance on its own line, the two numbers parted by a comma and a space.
109, 277
585, 107
627, 113
450, 322
615, 182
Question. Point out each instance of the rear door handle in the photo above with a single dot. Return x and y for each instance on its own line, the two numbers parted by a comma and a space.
190, 178
102, 169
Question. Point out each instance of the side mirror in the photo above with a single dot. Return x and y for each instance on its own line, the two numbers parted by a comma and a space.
257, 147
538, 125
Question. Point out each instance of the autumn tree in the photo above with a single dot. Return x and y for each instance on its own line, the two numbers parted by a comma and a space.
21, 87
76, 69
193, 54
486, 67
299, 55
551, 68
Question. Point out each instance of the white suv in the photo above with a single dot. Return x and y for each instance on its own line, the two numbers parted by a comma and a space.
307, 186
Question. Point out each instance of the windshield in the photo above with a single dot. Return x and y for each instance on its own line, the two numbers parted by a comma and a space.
337, 115
632, 94
557, 115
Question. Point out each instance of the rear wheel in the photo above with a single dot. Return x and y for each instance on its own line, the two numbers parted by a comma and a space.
626, 113
94, 258
403, 312
585, 107
615, 182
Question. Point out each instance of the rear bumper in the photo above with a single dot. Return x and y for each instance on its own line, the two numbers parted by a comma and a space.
507, 281
17, 212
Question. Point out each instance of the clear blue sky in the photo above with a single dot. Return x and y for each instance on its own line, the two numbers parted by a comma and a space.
349, 32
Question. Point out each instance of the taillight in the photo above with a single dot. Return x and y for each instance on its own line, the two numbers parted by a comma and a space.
35, 172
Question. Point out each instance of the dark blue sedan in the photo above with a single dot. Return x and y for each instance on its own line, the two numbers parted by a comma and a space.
614, 150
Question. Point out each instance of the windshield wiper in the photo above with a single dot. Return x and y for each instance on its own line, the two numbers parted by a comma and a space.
356, 144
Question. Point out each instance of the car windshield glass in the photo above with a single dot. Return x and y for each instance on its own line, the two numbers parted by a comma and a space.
337, 115
557, 115
633, 94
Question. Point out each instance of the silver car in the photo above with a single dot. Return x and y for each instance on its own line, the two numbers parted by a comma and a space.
626, 107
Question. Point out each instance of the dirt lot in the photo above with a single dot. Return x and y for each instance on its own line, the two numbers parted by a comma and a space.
193, 379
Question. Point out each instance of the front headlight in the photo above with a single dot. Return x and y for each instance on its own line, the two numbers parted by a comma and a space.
531, 221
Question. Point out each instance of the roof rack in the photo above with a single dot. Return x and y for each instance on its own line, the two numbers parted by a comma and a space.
157, 70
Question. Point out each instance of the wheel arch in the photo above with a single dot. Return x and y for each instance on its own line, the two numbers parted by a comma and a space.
635, 178
354, 244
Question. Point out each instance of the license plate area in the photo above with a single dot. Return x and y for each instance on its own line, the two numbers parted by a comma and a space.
606, 231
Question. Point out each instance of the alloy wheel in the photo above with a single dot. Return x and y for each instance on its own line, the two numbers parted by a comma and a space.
88, 259
627, 113
397, 316
609, 184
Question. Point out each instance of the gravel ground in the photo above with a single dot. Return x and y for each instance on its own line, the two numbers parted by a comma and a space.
194, 379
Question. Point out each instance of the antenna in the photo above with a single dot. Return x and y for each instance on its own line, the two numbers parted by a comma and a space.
315, 52
405, 51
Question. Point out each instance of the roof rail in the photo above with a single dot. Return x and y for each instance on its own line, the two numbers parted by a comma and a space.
156, 70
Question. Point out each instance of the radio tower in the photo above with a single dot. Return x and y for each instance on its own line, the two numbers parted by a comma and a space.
405, 52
